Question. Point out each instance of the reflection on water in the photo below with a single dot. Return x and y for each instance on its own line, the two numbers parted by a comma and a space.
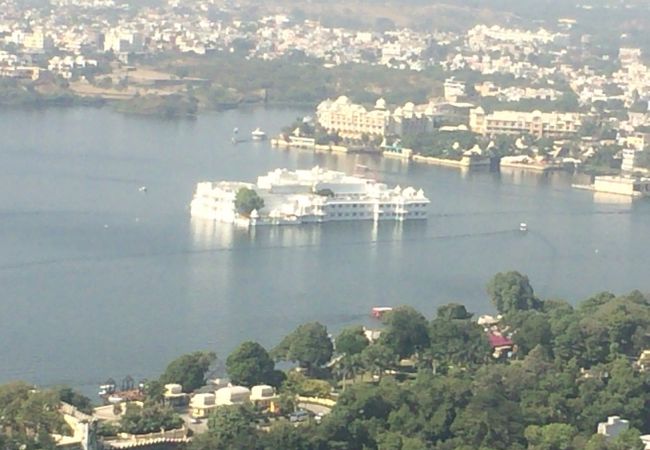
613, 199
555, 178
208, 235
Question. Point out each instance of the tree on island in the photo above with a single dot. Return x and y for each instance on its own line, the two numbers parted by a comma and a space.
309, 345
250, 364
247, 200
189, 370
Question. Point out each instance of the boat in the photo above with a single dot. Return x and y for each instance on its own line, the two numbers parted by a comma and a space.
378, 311
258, 135
142, 189
523, 226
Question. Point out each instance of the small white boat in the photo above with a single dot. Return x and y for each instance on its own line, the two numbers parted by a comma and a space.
258, 135
142, 189
523, 226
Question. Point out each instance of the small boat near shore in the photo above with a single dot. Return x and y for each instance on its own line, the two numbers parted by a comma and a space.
258, 135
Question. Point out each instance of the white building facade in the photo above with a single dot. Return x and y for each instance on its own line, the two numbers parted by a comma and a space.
310, 196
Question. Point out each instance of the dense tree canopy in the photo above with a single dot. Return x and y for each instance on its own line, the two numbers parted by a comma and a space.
309, 345
150, 418
511, 291
406, 331
571, 368
351, 341
247, 200
28, 417
189, 370
250, 364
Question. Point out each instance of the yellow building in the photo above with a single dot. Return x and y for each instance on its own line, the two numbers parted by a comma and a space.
536, 123
351, 120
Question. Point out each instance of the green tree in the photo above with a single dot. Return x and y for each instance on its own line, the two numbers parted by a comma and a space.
309, 345
533, 328
229, 427
628, 440
189, 370
286, 436
453, 311
351, 341
378, 357
457, 342
298, 384
250, 364
247, 200
554, 436
154, 391
150, 418
490, 420
511, 291
28, 417
74, 398
406, 331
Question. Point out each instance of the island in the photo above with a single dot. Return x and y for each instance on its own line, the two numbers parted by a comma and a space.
306, 196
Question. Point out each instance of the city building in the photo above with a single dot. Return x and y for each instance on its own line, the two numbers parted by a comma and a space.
535, 123
123, 41
202, 404
454, 90
613, 427
37, 41
351, 120
232, 395
309, 196
263, 396
174, 395
623, 185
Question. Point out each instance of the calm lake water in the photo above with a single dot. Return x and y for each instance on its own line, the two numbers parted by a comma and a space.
100, 280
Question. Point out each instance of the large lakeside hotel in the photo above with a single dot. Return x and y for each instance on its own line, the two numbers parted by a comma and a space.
309, 196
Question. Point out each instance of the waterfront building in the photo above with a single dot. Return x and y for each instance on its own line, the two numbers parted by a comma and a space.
351, 120
536, 123
630, 186
315, 195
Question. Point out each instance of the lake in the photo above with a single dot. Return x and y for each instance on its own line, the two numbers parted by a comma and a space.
102, 280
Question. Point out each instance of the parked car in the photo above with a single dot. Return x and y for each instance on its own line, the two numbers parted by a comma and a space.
299, 416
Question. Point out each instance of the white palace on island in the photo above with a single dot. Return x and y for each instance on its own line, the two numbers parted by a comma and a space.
309, 196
